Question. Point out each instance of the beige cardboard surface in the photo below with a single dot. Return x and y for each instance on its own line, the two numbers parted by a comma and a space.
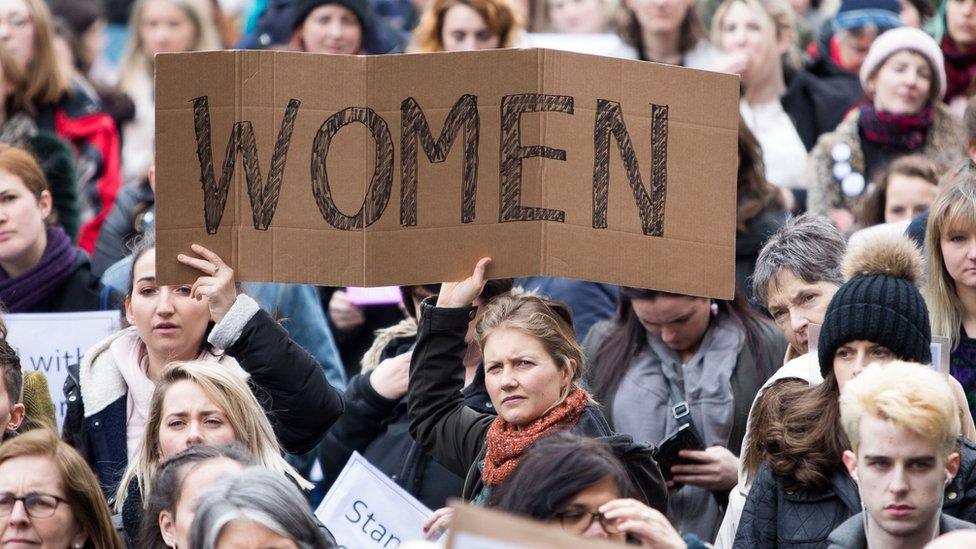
405, 169
481, 528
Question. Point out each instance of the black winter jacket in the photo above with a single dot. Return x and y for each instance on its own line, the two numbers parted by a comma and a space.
803, 519
287, 381
814, 103
455, 435
379, 429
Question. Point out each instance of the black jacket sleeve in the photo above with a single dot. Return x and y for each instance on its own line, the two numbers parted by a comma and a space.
365, 418
119, 226
446, 429
758, 524
288, 381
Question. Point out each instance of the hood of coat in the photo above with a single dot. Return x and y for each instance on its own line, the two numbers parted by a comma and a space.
100, 380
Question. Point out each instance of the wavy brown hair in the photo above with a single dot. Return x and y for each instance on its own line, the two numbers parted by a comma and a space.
804, 446
498, 15
755, 194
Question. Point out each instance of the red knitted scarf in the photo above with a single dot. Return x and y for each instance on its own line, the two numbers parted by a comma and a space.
506, 444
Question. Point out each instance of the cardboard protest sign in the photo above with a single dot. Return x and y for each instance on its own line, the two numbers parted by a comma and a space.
405, 169
364, 508
50, 342
479, 528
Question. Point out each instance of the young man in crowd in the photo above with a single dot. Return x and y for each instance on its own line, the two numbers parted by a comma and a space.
903, 425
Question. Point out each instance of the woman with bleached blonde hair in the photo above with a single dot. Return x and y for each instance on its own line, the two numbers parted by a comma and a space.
198, 402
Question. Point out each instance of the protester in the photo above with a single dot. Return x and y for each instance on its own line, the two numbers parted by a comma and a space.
589, 493
956, 30
838, 54
950, 252
903, 426
64, 107
197, 403
578, 16
255, 509
781, 105
176, 489
533, 367
801, 493
109, 396
338, 26
375, 422
157, 26
759, 212
49, 497
40, 270
904, 81
665, 350
905, 190
464, 25
667, 31
53, 155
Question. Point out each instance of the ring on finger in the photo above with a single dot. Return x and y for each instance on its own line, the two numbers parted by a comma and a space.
216, 268
645, 515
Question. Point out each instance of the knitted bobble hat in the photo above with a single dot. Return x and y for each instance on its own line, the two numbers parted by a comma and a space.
304, 7
880, 302
911, 39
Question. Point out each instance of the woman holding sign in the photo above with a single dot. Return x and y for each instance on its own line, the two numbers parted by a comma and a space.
673, 363
533, 367
109, 396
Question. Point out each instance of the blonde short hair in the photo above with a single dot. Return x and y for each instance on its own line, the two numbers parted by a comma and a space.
912, 396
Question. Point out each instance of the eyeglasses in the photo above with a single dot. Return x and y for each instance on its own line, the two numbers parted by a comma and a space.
578, 520
36, 505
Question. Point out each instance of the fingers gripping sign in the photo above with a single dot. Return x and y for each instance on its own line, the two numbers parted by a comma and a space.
217, 283
464, 292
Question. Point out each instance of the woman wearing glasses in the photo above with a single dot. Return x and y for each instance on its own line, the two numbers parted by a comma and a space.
589, 494
50, 498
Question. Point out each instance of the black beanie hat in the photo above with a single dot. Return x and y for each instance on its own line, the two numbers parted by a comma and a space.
879, 302
305, 7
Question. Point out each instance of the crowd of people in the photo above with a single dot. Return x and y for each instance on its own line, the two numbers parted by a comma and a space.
811, 410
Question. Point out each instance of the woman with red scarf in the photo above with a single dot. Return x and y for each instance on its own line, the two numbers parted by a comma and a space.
533, 366
904, 81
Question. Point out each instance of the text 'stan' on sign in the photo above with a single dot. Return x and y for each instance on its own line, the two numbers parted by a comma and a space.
405, 169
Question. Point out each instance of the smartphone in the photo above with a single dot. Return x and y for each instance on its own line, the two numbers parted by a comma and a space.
685, 438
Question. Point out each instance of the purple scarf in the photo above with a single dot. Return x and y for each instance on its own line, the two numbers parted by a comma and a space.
36, 284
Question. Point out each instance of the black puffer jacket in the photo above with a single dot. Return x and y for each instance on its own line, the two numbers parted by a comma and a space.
777, 517
455, 435
131, 216
379, 429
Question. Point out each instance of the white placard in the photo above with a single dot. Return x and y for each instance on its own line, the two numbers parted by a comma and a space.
50, 342
364, 508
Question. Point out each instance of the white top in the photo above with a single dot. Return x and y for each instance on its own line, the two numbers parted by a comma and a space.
784, 155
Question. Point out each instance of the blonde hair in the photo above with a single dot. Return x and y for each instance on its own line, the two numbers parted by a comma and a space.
137, 65
46, 83
954, 208
912, 396
778, 12
548, 321
77, 480
499, 17
228, 389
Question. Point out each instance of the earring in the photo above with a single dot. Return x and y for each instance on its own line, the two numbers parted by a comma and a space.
714, 308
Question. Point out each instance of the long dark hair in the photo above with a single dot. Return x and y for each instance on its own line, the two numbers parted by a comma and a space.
554, 470
628, 338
